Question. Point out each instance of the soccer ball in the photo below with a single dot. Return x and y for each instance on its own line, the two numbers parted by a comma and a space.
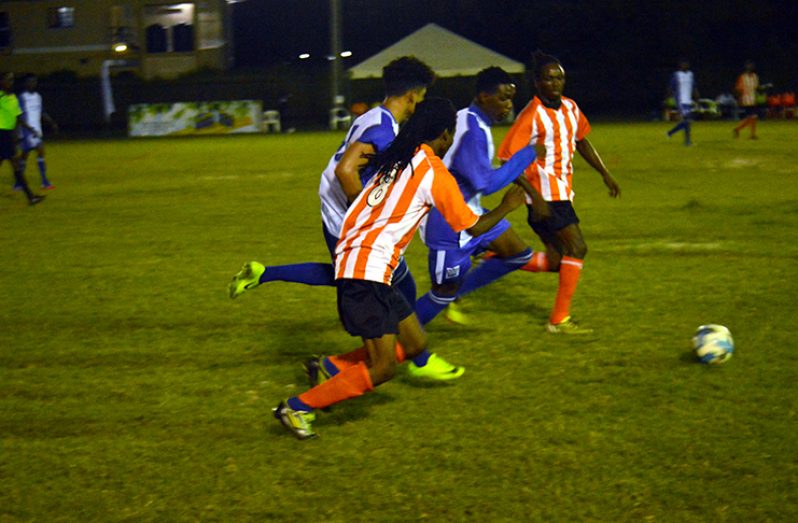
713, 344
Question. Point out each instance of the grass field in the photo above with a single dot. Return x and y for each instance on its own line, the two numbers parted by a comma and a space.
133, 389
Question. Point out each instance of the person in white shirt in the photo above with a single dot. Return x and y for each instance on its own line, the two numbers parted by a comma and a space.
33, 114
682, 88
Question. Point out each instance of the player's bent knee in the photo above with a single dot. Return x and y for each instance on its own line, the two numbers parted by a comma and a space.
445, 290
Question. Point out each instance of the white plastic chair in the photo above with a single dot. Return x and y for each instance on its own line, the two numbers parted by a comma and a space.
271, 121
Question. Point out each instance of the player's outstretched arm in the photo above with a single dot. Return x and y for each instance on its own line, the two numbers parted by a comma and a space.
591, 156
513, 199
510, 170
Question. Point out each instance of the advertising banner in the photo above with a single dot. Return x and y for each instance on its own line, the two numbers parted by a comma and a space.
195, 118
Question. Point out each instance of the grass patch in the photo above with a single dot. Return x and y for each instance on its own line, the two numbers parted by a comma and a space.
133, 389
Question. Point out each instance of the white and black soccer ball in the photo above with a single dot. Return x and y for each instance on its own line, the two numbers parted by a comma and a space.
713, 344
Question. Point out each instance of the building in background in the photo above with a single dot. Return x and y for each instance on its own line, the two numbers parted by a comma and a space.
154, 39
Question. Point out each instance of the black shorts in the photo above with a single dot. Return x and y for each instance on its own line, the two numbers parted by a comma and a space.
369, 309
8, 145
562, 215
750, 110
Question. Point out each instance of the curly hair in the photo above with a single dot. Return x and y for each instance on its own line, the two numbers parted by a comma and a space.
405, 74
489, 79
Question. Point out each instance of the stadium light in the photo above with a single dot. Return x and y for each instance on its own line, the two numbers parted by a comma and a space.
304, 56
120, 47
346, 54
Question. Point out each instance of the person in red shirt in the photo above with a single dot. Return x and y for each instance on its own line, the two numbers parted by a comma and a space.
555, 123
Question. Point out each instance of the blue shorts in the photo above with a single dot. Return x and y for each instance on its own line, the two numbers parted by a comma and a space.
451, 265
30, 142
370, 309
686, 110
562, 215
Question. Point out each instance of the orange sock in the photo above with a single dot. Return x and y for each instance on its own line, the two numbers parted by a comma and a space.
538, 263
349, 383
753, 127
570, 268
350, 359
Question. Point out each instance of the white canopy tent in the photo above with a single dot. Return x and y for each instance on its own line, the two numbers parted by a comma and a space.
447, 53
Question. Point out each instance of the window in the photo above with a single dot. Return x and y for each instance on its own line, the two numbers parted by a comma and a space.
169, 28
61, 17
5, 31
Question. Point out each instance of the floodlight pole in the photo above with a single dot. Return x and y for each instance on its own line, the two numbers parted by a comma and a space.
335, 48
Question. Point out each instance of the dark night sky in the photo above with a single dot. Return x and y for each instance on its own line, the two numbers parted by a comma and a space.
626, 46
626, 33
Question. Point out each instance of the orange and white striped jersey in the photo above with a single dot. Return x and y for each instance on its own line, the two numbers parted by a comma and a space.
747, 84
557, 130
383, 219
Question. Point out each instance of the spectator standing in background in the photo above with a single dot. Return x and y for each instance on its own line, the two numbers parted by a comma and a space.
682, 88
747, 88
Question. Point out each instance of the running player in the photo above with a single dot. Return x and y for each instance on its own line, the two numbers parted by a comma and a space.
682, 88
33, 113
469, 160
410, 179
555, 122
406, 81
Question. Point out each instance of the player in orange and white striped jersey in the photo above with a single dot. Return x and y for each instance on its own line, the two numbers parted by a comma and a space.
555, 123
411, 179
747, 87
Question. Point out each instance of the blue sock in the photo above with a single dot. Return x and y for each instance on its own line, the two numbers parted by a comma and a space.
307, 273
43, 171
687, 132
330, 367
295, 403
676, 128
405, 284
427, 307
422, 358
491, 270
430, 305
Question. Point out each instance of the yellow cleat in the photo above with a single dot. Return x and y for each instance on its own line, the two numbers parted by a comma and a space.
455, 314
247, 278
567, 326
436, 369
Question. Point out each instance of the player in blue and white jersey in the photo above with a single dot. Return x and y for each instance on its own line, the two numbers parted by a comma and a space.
683, 89
406, 80
470, 161
33, 113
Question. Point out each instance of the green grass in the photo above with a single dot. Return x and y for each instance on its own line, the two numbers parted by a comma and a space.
133, 389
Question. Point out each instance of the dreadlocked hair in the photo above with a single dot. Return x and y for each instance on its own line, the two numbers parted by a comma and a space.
431, 118
540, 60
